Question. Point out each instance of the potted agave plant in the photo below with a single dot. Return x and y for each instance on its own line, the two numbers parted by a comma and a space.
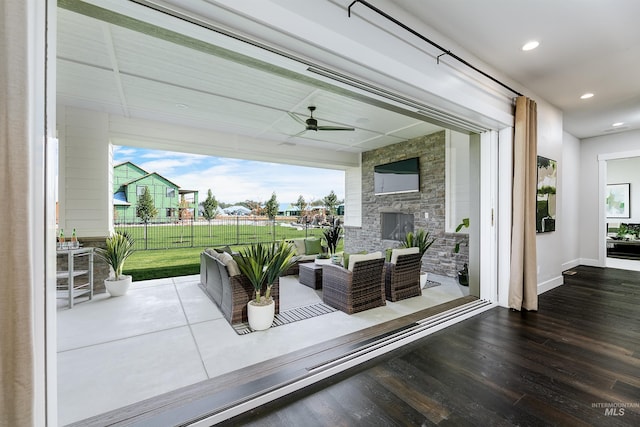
419, 239
263, 263
119, 247
332, 236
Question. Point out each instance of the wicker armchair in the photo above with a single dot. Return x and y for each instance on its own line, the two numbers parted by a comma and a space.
402, 279
357, 290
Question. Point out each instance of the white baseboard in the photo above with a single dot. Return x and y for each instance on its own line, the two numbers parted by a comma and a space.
570, 264
550, 284
591, 262
624, 264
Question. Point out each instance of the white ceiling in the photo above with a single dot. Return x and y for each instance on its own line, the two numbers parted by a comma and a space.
592, 48
115, 69
585, 46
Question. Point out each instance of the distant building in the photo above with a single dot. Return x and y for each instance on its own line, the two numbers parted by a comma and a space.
129, 183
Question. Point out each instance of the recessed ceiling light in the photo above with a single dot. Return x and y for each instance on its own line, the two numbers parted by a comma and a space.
530, 45
586, 96
615, 125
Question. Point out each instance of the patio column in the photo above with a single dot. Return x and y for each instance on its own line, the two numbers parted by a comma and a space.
85, 170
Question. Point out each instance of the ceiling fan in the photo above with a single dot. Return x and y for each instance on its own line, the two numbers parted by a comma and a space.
312, 124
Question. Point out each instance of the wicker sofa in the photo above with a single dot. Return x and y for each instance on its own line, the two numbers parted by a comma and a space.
228, 289
402, 274
357, 288
303, 253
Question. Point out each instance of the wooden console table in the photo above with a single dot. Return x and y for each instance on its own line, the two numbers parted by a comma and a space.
74, 289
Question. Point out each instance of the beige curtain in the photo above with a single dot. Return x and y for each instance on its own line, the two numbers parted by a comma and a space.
523, 284
16, 304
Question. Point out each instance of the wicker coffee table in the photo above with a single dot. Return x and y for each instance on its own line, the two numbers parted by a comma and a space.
311, 275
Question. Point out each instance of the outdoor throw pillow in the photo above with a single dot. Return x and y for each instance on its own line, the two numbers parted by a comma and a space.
312, 246
404, 251
358, 257
299, 245
230, 263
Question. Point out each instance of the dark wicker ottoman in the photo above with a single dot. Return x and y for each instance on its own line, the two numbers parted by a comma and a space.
311, 275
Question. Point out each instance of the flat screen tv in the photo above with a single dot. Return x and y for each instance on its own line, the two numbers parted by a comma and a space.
397, 177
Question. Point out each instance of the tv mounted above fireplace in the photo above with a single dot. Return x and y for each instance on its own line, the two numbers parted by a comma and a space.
397, 177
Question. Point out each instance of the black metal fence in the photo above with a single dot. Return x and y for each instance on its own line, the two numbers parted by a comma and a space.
237, 230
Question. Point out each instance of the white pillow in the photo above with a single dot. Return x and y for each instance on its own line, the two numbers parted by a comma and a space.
404, 251
299, 246
362, 257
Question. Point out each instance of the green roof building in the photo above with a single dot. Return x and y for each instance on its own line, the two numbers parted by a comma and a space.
130, 182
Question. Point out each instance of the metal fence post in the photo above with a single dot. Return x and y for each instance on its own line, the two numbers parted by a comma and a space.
237, 230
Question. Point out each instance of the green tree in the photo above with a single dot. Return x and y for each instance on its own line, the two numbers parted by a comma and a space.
209, 208
301, 204
146, 210
271, 207
331, 202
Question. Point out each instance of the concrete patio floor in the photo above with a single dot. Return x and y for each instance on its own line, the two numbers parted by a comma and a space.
166, 334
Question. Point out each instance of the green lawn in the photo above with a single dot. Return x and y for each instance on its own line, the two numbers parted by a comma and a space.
161, 263
158, 264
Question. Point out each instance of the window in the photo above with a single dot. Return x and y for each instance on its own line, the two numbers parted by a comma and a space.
140, 190
171, 192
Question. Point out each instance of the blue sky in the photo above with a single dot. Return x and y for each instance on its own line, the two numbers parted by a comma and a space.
234, 180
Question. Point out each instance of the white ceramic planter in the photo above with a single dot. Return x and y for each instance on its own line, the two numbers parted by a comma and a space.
117, 288
261, 316
423, 279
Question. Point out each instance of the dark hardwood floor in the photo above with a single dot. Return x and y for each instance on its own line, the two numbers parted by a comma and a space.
562, 365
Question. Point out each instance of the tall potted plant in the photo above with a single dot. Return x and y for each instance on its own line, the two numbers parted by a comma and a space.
119, 247
421, 240
262, 264
463, 273
332, 236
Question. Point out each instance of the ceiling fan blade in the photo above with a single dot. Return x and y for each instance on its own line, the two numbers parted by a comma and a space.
334, 128
297, 119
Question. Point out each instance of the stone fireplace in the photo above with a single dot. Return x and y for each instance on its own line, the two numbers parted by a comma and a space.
387, 217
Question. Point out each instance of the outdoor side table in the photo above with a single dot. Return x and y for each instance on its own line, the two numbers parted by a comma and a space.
75, 289
311, 275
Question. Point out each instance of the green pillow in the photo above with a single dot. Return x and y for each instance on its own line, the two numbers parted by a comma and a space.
387, 254
312, 246
345, 259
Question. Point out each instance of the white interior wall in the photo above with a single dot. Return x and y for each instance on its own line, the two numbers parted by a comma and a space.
569, 182
550, 255
590, 204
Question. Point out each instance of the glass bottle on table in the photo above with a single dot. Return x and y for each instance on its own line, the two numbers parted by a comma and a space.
74, 239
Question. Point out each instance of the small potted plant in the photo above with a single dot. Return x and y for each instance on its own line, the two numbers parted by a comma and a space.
119, 247
263, 264
419, 239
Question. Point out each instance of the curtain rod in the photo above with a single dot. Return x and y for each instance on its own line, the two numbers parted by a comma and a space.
431, 42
